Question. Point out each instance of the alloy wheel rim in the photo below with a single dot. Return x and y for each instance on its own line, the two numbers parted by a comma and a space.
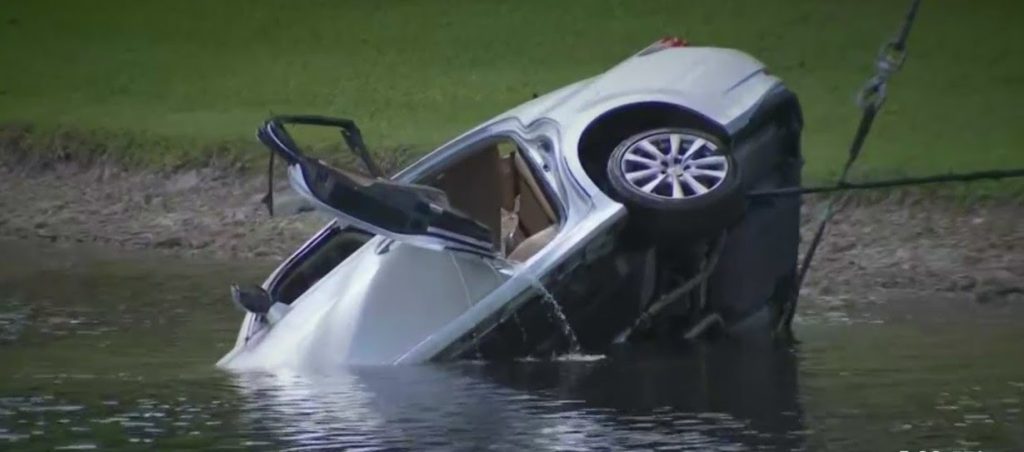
673, 165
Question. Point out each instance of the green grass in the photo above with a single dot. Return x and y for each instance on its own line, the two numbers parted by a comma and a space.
174, 79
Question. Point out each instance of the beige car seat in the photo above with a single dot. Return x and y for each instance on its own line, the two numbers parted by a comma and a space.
532, 245
537, 220
485, 183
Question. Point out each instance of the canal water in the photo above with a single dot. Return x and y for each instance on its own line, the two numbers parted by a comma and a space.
113, 350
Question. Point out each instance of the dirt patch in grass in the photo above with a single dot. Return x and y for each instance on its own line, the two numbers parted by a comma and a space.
878, 245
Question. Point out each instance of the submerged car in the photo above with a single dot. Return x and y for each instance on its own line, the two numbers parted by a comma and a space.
612, 210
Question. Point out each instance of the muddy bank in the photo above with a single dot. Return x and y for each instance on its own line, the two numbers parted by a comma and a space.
877, 245
208, 211
908, 244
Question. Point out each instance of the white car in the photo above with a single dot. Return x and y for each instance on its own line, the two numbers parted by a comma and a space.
611, 210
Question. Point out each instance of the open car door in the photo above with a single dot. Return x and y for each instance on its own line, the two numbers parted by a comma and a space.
415, 214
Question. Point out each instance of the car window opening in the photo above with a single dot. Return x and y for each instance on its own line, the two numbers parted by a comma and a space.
495, 186
336, 245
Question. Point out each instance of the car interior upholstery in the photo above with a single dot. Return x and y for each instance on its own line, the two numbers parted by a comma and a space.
498, 189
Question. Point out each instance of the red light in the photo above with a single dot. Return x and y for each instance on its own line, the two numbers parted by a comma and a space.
667, 42
673, 41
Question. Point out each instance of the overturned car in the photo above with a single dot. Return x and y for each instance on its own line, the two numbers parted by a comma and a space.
612, 210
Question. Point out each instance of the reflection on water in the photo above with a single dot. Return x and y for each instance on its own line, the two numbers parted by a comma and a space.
111, 351
622, 404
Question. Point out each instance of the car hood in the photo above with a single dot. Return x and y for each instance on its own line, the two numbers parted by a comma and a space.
372, 309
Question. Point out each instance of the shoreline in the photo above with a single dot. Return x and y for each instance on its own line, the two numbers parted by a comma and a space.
893, 241
197, 212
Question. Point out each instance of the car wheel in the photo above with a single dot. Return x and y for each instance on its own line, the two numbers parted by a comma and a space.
676, 183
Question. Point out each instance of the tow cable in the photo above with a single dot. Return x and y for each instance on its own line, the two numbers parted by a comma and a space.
870, 100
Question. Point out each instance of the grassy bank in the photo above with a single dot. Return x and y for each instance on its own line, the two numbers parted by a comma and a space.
179, 81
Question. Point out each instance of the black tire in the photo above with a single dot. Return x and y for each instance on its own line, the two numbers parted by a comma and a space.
672, 219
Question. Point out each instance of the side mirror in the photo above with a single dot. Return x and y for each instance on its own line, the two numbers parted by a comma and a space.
251, 299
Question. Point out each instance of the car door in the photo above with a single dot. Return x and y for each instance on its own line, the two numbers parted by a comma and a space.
410, 213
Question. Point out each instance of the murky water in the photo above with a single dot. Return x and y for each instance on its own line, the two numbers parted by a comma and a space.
107, 351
